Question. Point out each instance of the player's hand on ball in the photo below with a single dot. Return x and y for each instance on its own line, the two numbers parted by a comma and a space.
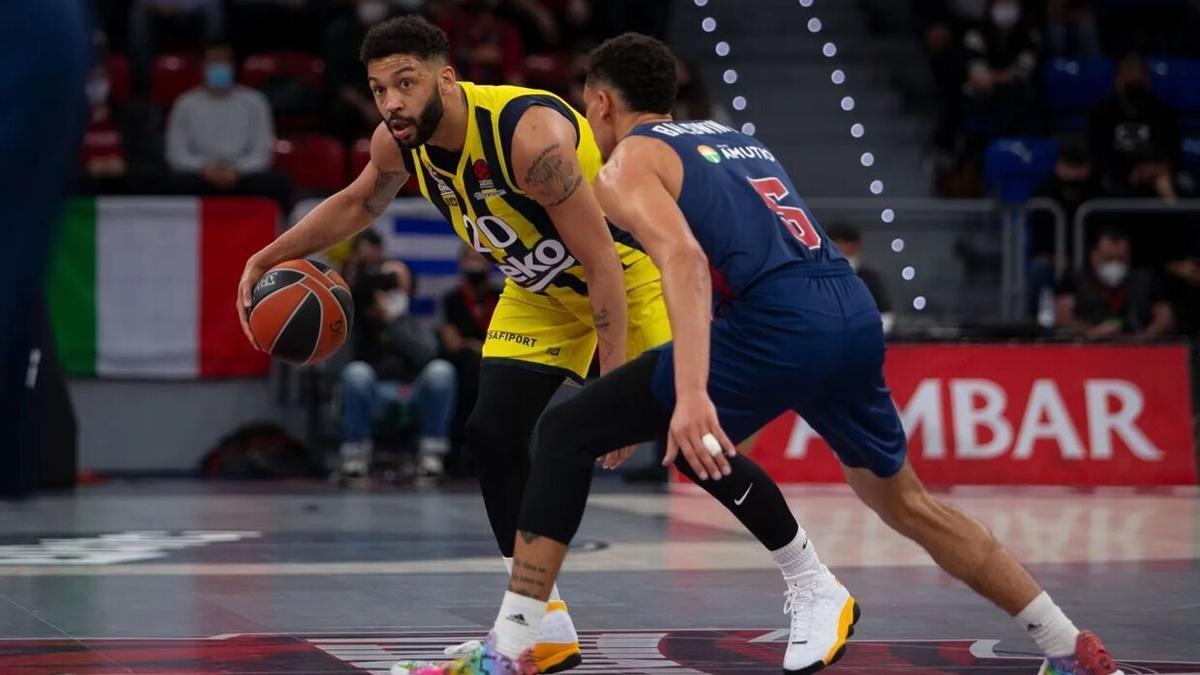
695, 433
617, 457
250, 276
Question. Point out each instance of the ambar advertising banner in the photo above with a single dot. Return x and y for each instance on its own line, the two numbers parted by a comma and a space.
1022, 414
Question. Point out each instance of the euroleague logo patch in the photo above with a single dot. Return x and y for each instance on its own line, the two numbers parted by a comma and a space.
482, 172
487, 187
708, 153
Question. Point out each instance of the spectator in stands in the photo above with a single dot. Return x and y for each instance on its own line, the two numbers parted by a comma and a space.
1074, 182
942, 32
1110, 298
849, 242
467, 310
1071, 29
395, 362
352, 111
220, 136
1135, 137
202, 20
121, 152
484, 48
1002, 57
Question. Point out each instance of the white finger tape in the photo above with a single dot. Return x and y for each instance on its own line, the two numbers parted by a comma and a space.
711, 444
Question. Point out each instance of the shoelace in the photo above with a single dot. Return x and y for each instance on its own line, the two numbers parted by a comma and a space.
798, 602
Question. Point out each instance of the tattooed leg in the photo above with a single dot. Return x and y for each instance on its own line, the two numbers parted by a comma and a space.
536, 563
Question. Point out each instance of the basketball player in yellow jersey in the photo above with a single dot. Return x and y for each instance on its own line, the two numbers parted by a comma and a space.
510, 169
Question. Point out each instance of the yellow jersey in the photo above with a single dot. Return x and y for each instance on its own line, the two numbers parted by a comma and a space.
475, 190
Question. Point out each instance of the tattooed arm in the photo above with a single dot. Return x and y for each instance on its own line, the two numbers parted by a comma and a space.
547, 169
340, 216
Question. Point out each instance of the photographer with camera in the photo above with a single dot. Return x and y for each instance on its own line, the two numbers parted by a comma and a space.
395, 362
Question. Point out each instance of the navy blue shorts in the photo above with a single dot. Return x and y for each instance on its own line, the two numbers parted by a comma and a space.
812, 344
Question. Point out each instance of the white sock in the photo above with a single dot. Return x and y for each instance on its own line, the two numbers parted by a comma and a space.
797, 557
1048, 626
517, 624
554, 596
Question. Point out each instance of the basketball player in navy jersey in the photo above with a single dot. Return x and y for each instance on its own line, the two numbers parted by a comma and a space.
795, 329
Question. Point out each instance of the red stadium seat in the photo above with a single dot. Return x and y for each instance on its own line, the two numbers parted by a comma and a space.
119, 79
304, 67
315, 162
173, 74
293, 82
258, 69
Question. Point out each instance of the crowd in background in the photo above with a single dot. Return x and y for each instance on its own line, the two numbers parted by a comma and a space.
998, 65
987, 57
269, 98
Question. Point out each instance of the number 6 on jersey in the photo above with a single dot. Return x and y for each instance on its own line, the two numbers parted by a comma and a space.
772, 191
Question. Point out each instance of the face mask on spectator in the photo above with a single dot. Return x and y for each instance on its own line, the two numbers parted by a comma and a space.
1112, 273
854, 261
1006, 16
219, 75
475, 277
97, 91
397, 304
372, 12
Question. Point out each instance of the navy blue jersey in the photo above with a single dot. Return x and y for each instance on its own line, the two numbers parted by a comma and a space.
743, 208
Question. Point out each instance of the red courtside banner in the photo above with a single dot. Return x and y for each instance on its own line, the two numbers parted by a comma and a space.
1022, 414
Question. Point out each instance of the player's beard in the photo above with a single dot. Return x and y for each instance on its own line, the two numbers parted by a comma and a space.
425, 124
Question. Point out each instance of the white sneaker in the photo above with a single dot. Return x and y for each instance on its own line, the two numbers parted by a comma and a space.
556, 650
557, 647
823, 616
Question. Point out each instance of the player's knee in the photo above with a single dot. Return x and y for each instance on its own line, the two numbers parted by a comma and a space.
554, 429
493, 440
558, 433
484, 432
358, 376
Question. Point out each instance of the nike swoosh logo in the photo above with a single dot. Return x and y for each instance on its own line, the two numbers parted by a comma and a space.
738, 502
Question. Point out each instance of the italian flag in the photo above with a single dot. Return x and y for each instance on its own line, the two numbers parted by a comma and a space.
145, 287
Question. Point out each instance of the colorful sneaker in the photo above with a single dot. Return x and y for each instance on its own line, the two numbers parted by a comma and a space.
823, 616
557, 647
474, 658
1091, 658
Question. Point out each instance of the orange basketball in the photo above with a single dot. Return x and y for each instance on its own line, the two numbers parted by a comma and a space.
301, 311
